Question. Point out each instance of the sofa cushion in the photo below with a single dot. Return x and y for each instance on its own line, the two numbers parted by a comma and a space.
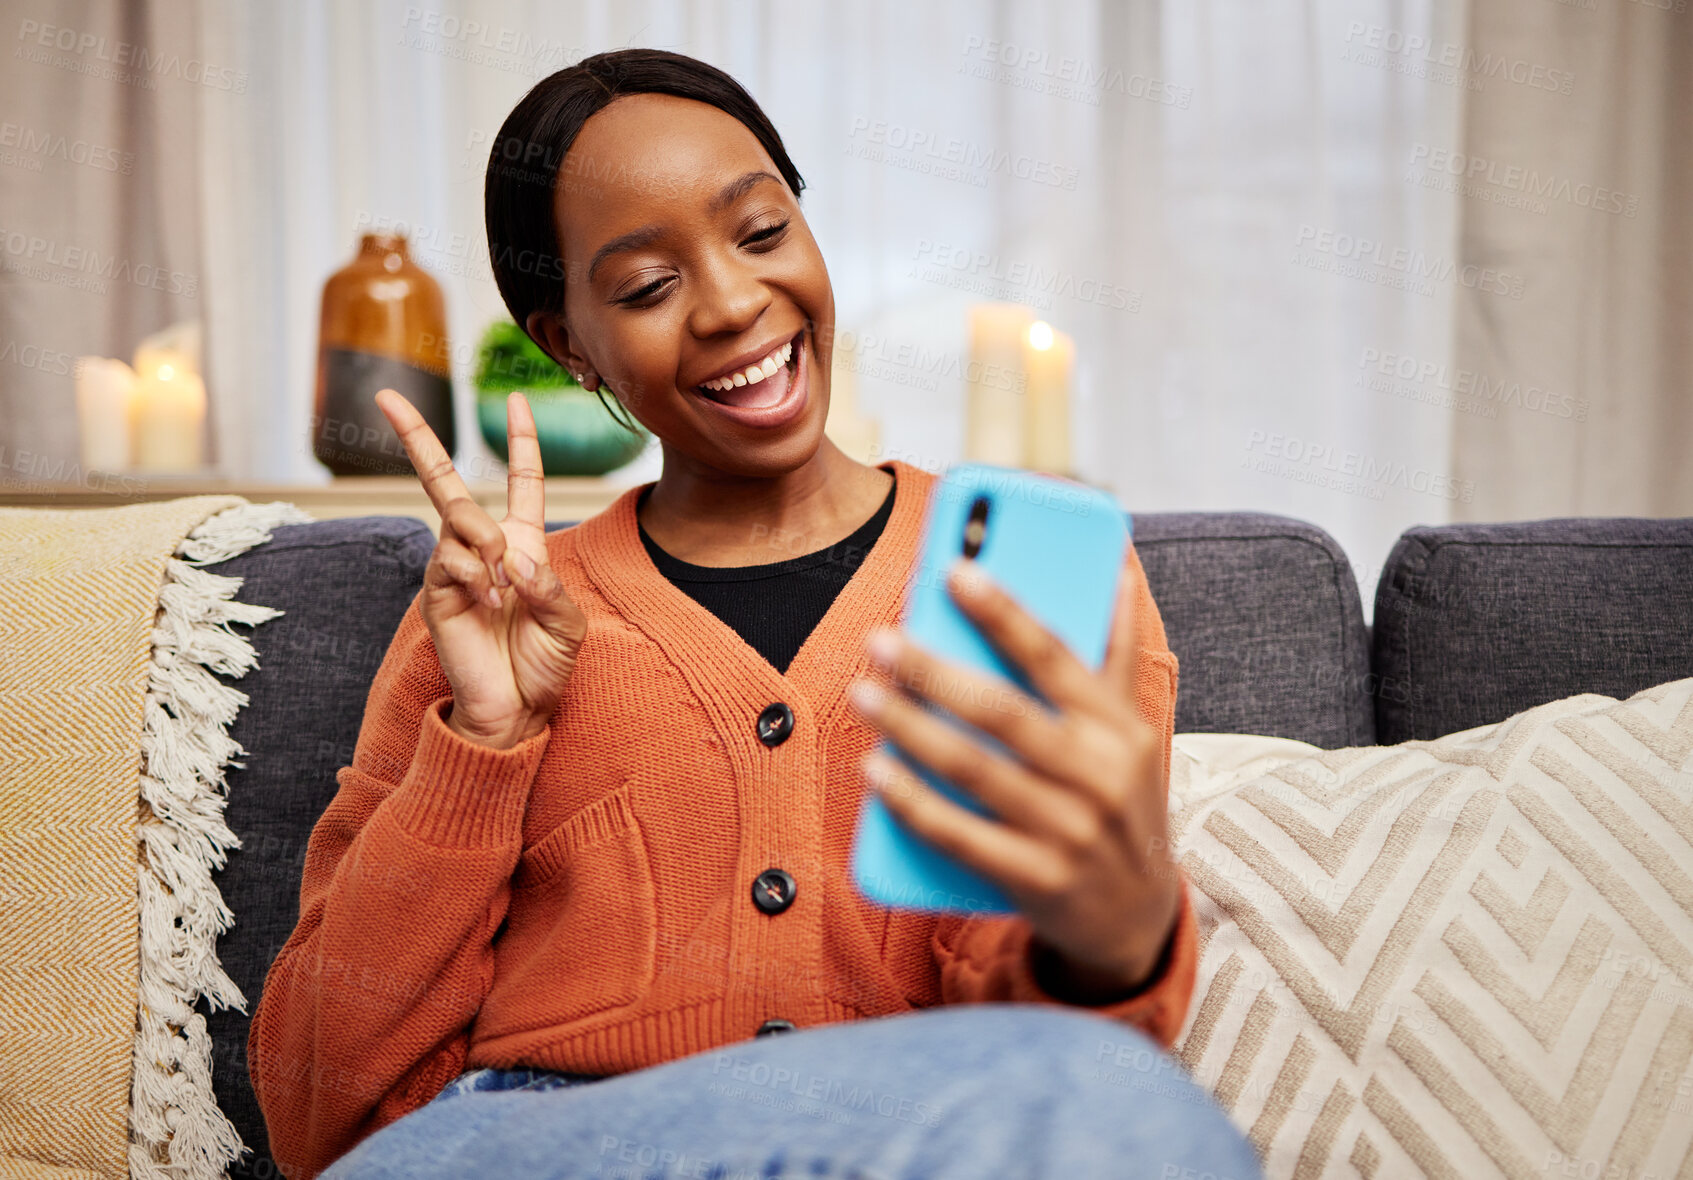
1476, 622
1263, 615
344, 585
1465, 957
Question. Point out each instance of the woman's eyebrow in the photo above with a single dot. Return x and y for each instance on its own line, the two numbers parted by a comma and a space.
737, 188
635, 239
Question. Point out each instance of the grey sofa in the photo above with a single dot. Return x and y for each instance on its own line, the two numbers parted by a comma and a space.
1472, 624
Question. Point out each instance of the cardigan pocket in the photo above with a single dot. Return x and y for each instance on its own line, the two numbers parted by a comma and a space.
581, 929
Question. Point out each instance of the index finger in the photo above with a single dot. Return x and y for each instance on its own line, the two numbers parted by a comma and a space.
1054, 671
441, 482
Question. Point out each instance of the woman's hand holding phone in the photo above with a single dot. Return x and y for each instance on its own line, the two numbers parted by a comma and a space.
1080, 844
505, 630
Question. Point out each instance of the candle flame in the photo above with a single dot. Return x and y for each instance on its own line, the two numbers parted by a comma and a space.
1040, 335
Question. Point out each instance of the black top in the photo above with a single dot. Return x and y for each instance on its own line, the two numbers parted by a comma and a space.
773, 607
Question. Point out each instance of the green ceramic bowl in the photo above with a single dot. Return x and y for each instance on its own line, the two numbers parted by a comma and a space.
578, 435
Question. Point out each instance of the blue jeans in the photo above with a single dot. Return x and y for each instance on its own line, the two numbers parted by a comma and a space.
946, 1093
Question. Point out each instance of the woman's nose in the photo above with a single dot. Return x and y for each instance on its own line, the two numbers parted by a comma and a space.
730, 298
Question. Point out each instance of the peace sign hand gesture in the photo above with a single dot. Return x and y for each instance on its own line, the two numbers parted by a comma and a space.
505, 630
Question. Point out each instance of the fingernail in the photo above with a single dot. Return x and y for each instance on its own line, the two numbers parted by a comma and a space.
500, 578
883, 645
879, 769
493, 597
963, 578
521, 563
866, 697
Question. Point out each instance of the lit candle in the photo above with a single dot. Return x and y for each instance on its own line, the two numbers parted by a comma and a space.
170, 413
104, 387
993, 428
1049, 356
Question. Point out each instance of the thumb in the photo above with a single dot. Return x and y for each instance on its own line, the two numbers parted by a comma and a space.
545, 597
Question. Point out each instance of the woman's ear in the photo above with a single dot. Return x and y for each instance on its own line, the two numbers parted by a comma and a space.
547, 329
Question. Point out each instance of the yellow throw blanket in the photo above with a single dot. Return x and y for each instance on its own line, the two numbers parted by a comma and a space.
113, 736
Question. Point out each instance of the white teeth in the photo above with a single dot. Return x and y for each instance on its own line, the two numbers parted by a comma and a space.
753, 374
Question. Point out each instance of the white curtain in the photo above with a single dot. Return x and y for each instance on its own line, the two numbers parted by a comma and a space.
99, 210
1584, 187
1212, 198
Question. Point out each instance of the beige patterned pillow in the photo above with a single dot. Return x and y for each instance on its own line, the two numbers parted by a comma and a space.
1466, 957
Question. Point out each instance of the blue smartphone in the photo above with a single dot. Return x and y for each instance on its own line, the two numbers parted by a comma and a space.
1055, 546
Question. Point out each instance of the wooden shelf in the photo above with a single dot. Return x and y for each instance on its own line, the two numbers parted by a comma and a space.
569, 498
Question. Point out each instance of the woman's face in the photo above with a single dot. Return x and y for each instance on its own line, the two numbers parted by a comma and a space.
688, 263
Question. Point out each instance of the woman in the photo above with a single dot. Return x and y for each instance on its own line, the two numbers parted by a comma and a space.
592, 849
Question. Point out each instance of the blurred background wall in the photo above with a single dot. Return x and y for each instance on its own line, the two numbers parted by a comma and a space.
1369, 264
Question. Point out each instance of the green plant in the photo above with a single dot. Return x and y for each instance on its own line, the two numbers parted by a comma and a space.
509, 360
580, 433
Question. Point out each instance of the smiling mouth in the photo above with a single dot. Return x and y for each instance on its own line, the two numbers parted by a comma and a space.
760, 385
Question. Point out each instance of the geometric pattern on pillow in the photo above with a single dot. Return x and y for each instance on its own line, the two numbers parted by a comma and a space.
1464, 957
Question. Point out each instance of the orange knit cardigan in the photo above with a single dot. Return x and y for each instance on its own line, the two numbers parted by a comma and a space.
583, 901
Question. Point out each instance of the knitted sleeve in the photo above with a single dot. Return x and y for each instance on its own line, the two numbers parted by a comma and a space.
366, 1011
988, 957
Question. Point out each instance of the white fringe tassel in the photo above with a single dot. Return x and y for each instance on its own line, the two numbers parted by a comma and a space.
177, 1131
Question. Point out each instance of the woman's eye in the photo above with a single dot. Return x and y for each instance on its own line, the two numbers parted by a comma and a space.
766, 235
643, 293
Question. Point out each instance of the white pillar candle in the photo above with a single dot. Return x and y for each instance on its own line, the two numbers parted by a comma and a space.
178, 344
1049, 358
170, 415
993, 431
104, 388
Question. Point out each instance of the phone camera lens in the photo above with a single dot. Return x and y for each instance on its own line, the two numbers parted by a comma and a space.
976, 527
